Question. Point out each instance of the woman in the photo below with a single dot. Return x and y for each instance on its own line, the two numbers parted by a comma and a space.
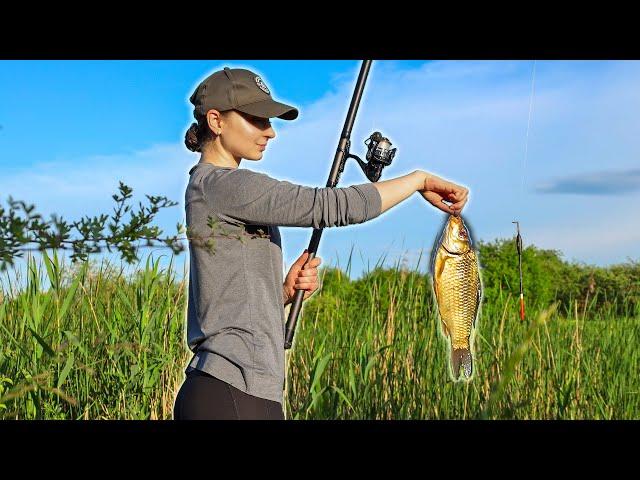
235, 316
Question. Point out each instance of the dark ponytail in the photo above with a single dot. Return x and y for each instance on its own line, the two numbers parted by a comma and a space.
198, 134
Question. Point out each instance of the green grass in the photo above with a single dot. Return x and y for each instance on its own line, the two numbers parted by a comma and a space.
96, 345
99, 344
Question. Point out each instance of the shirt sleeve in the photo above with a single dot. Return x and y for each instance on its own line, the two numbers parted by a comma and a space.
256, 198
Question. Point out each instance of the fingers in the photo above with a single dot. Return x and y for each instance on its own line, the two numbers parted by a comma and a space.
448, 197
312, 272
438, 202
306, 285
458, 194
452, 209
459, 205
307, 278
314, 262
456, 208
446, 188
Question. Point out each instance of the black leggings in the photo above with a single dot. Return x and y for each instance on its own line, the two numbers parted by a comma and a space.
205, 397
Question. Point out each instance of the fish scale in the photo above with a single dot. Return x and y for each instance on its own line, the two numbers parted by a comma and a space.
458, 300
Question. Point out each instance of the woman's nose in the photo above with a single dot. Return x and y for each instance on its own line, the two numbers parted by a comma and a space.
270, 132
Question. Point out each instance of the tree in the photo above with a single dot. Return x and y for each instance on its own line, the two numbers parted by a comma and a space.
21, 226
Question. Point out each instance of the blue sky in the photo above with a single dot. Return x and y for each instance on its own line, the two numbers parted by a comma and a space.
70, 130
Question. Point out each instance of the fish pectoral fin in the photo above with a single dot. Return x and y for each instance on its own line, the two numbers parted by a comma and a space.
437, 271
438, 267
444, 328
478, 300
435, 288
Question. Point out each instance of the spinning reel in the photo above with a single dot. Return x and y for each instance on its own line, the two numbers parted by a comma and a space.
379, 155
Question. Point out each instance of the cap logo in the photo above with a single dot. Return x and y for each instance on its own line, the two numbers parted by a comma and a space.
262, 86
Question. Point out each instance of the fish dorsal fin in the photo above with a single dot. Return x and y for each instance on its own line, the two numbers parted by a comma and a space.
439, 264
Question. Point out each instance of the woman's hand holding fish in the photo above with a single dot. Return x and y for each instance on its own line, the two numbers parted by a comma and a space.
437, 191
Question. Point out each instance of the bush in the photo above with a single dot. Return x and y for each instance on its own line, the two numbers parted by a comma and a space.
612, 290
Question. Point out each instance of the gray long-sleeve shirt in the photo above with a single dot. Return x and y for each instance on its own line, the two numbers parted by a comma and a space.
235, 314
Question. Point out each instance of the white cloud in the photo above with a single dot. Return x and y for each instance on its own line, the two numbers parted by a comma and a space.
607, 182
609, 237
84, 186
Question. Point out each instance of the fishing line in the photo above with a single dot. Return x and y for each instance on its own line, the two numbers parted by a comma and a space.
522, 174
526, 143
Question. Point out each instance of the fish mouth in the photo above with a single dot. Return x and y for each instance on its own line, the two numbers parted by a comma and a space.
457, 221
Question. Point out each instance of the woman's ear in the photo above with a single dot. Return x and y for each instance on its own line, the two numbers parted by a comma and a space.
213, 120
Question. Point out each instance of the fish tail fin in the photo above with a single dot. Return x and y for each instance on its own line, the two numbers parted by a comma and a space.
461, 357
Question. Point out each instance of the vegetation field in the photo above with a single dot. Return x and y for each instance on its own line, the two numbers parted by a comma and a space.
86, 341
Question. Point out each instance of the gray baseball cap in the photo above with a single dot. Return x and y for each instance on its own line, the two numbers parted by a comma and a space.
238, 89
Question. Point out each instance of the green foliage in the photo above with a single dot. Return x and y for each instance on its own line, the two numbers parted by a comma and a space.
21, 226
605, 291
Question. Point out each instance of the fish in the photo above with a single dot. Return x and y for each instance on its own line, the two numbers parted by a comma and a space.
458, 291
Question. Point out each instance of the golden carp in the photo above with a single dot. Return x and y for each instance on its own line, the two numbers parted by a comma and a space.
458, 291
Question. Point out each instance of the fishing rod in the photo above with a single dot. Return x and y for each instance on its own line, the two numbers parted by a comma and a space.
379, 155
519, 247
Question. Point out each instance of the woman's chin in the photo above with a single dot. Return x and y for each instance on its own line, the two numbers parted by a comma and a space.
256, 156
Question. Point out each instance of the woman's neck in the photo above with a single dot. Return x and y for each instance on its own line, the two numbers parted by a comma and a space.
217, 156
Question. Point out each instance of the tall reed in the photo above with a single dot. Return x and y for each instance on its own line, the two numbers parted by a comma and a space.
93, 343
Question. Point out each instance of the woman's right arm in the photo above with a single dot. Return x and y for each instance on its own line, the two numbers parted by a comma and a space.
433, 188
256, 198
398, 189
